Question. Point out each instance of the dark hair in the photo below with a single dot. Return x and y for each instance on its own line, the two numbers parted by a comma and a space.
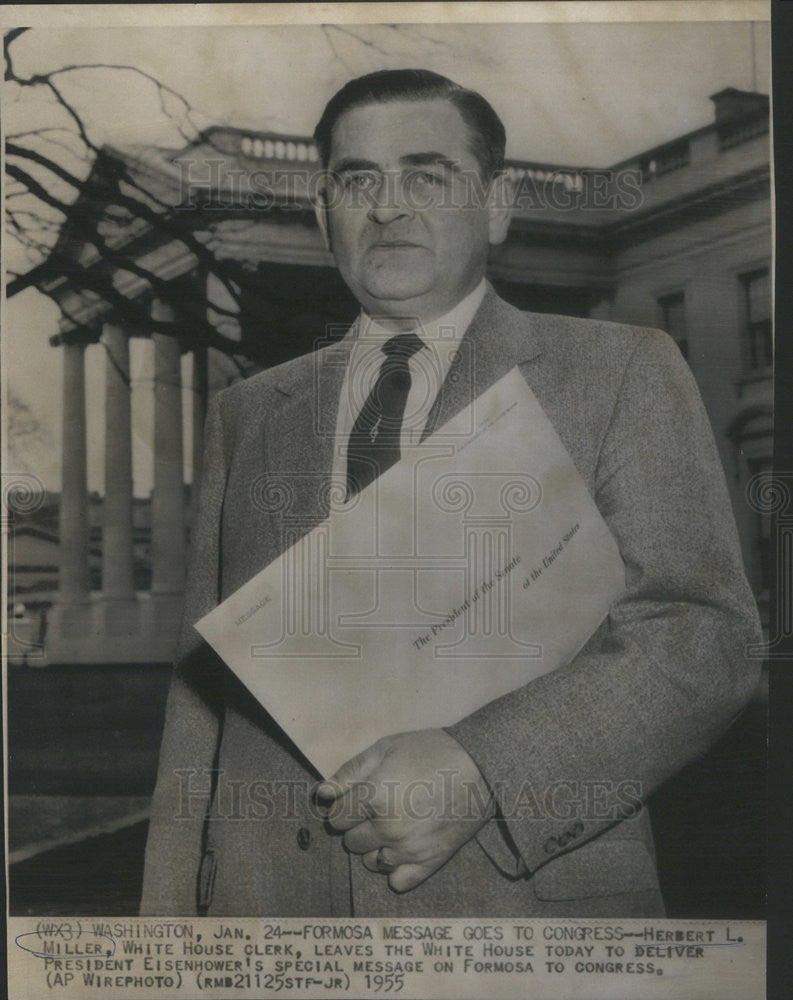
488, 137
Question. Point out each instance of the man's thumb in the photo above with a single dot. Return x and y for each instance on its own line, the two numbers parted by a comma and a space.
407, 877
357, 769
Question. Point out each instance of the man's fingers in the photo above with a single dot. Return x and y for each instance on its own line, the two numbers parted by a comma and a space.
403, 875
358, 768
407, 877
362, 838
382, 861
352, 808
370, 860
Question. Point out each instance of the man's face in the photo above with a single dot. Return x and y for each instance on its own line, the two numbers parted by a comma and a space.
402, 215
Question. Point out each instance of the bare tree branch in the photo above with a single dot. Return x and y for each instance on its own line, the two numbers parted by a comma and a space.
8, 38
35, 188
89, 232
44, 135
12, 149
77, 194
366, 42
172, 228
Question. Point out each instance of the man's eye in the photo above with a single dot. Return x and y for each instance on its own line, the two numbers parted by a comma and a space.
428, 178
359, 180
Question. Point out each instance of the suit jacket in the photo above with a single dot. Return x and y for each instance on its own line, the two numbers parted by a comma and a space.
570, 755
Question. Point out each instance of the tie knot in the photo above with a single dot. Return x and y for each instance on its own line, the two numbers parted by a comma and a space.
403, 345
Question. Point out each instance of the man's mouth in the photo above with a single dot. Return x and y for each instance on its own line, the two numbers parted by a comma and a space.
395, 245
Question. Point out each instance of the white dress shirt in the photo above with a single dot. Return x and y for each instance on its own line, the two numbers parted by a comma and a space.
428, 369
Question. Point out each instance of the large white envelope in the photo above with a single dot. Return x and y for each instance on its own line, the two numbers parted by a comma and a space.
474, 565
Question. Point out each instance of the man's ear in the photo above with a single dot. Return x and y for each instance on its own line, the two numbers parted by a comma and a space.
499, 207
321, 214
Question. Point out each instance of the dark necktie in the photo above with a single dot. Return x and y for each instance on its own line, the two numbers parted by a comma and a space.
374, 440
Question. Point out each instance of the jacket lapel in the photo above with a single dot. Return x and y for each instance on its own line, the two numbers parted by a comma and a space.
299, 455
498, 338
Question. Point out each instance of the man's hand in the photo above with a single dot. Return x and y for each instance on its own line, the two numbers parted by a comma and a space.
407, 804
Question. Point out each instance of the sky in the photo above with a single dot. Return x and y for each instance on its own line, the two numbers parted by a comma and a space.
570, 94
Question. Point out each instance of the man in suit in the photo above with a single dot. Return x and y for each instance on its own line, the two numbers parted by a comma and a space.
543, 815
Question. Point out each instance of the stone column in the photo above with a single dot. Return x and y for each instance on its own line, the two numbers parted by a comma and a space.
74, 581
117, 581
200, 392
118, 590
69, 619
167, 506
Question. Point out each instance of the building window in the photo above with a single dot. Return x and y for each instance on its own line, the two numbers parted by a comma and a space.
673, 319
757, 318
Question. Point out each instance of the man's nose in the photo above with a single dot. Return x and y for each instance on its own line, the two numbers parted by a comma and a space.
389, 202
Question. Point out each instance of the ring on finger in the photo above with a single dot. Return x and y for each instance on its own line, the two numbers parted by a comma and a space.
383, 862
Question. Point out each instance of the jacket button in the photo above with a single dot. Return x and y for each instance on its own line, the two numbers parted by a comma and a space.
304, 838
551, 845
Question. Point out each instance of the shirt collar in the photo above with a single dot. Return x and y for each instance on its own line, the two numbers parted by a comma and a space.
448, 328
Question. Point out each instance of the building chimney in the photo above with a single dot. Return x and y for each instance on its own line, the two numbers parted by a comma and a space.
731, 103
